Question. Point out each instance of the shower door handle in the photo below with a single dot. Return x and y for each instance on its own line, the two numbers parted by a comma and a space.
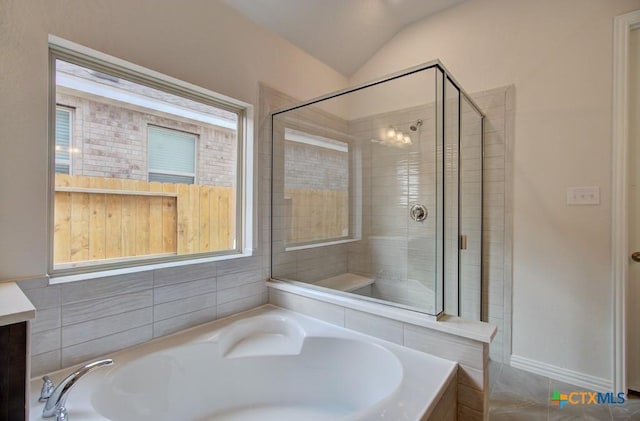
463, 242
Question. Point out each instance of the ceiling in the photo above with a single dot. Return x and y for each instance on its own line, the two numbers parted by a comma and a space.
343, 34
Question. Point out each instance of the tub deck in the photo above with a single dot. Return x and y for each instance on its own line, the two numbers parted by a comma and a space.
271, 338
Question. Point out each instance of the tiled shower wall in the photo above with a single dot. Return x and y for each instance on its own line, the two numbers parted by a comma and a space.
498, 107
404, 259
396, 251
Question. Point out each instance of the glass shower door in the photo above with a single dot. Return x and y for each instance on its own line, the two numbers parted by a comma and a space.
367, 196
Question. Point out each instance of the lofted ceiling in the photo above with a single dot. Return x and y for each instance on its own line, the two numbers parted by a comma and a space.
343, 34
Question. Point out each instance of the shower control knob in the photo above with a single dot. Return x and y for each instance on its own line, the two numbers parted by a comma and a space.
635, 256
418, 213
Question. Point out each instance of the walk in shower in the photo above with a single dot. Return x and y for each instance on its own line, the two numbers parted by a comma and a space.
377, 193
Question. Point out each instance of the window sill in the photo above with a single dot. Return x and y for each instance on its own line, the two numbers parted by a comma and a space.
61, 279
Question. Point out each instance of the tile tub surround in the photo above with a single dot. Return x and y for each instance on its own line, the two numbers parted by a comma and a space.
77, 321
468, 346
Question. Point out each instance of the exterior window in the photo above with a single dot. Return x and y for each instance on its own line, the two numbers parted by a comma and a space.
171, 156
63, 140
317, 185
155, 171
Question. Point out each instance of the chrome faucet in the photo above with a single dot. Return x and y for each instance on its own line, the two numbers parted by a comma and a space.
56, 397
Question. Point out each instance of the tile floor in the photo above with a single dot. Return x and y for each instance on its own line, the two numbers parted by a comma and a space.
520, 395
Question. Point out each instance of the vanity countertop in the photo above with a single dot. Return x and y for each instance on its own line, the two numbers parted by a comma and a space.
15, 307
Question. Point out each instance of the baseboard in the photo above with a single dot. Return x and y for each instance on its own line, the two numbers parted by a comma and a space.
576, 378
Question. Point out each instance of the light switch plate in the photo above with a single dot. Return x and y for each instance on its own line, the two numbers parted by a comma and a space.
581, 196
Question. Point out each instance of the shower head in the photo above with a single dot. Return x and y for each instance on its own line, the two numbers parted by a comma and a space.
416, 126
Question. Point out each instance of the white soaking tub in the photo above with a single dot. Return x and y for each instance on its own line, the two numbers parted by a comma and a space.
265, 364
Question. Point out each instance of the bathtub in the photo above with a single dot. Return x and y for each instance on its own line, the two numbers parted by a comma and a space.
265, 364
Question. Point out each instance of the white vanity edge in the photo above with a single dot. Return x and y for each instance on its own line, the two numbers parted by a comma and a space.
470, 329
15, 307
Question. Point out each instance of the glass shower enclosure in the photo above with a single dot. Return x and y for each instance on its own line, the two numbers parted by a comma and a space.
377, 193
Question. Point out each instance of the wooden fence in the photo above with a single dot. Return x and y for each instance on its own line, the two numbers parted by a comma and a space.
315, 215
107, 218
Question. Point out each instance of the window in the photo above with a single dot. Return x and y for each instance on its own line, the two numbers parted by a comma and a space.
317, 186
171, 156
152, 169
63, 140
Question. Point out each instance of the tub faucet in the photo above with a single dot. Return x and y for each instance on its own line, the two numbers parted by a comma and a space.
56, 397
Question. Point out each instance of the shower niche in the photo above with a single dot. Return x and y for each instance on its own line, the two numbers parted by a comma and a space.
377, 193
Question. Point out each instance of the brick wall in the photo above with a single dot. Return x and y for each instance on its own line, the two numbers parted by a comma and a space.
111, 141
314, 167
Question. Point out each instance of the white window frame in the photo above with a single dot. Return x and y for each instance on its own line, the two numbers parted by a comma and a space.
70, 112
246, 194
196, 138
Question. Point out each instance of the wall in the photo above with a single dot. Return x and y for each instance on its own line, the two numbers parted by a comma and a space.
79, 321
314, 167
109, 148
209, 45
558, 56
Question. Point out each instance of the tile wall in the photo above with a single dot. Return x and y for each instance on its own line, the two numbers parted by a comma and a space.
498, 107
79, 321
396, 251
